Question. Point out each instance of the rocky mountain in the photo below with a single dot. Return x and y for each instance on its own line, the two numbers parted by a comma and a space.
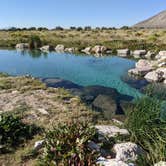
157, 21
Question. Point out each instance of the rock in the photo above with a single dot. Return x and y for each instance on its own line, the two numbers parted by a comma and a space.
47, 48
162, 71
22, 46
93, 146
161, 163
127, 151
105, 103
43, 111
60, 48
111, 131
112, 162
150, 55
123, 52
99, 49
142, 68
139, 71
87, 50
71, 50
164, 81
154, 76
162, 64
117, 122
108, 52
38, 145
139, 53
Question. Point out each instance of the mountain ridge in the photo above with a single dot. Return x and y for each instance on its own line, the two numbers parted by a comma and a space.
156, 21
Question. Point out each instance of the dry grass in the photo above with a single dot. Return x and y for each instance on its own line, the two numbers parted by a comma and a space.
26, 97
133, 38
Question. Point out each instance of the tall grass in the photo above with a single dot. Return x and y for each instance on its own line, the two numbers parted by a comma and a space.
148, 129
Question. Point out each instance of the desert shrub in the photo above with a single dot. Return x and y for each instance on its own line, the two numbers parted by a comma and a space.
67, 144
34, 42
148, 129
13, 131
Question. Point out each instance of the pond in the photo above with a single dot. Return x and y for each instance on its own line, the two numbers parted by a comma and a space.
84, 70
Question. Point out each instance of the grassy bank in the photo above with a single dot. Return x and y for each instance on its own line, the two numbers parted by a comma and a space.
30, 112
113, 39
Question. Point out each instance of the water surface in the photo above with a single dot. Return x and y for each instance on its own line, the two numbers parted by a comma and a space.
82, 70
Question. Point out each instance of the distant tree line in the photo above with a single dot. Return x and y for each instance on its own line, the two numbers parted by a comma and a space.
59, 28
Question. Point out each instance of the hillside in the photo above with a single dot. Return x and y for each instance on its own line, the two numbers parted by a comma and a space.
157, 21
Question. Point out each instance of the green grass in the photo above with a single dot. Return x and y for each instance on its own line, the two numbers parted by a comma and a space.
148, 129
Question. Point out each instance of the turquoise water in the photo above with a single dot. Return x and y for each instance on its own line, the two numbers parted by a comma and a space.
82, 70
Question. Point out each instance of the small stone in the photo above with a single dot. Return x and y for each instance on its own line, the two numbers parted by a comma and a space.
38, 145
93, 146
43, 111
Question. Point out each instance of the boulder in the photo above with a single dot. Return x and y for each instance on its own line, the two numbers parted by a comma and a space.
87, 50
123, 52
110, 131
150, 55
127, 151
161, 163
142, 68
112, 162
47, 48
99, 49
154, 76
22, 46
161, 56
60, 48
139, 53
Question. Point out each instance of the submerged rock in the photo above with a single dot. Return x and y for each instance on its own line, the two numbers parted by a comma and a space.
127, 151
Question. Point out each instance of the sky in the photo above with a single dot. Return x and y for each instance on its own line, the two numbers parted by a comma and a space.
66, 13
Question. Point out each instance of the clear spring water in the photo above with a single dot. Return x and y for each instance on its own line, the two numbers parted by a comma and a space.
82, 70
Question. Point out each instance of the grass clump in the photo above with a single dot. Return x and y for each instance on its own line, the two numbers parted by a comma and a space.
67, 144
13, 132
148, 129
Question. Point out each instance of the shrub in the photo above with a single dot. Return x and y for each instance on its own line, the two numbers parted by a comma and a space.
67, 144
13, 131
34, 42
148, 129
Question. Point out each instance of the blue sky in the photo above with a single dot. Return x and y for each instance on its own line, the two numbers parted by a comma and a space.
52, 13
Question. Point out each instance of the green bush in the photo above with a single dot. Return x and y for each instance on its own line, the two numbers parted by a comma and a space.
13, 131
67, 144
148, 130
34, 42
